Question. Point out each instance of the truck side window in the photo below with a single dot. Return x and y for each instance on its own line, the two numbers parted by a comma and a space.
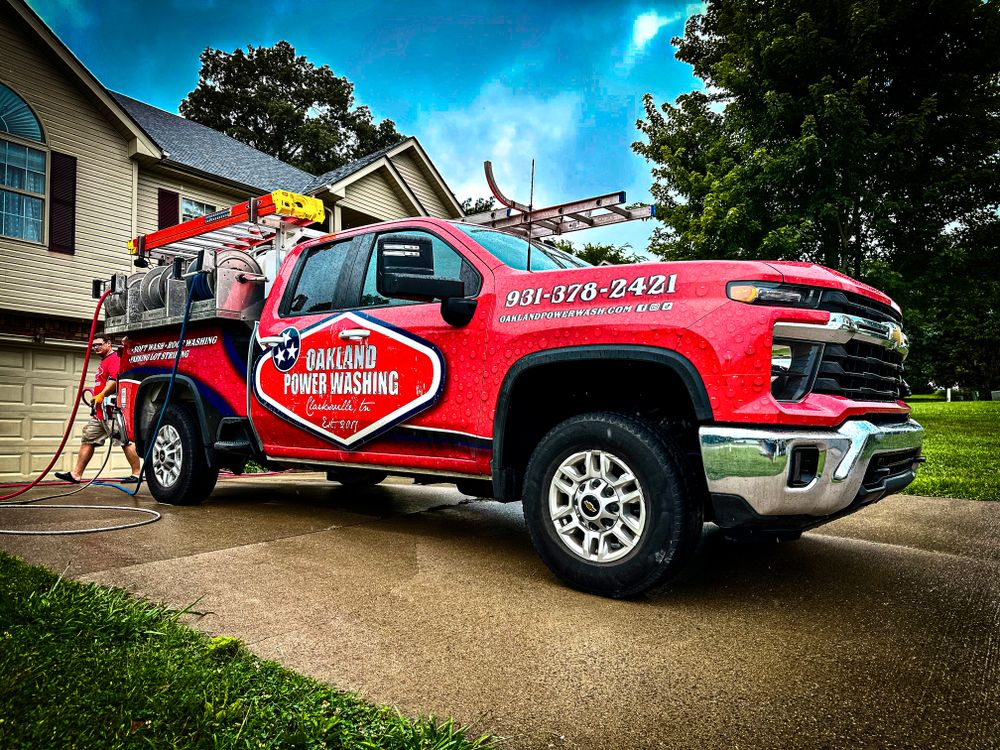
316, 284
448, 264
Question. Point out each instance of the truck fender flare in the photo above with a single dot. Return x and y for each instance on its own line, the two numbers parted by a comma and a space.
676, 362
182, 381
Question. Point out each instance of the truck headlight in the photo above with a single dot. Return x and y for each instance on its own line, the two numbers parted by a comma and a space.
773, 293
793, 368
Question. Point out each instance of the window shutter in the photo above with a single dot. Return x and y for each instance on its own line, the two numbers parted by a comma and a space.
62, 203
168, 208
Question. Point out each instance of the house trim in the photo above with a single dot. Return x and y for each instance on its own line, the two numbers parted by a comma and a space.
139, 143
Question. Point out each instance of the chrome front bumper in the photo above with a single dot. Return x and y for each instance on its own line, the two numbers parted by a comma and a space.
754, 464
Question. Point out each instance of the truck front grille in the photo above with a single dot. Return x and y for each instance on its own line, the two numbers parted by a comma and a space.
861, 372
838, 301
889, 465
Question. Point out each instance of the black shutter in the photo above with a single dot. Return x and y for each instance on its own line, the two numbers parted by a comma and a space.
62, 203
168, 208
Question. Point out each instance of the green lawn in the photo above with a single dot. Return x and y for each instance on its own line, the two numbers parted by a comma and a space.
83, 666
962, 449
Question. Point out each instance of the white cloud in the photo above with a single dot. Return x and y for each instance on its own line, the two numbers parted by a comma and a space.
644, 29
647, 26
509, 129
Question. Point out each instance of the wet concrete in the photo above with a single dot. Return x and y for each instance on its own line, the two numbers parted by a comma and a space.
881, 630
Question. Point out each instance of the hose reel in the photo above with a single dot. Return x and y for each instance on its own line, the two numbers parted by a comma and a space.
117, 303
225, 283
153, 288
229, 265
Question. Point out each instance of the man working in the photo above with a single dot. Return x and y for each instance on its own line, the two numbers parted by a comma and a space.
95, 432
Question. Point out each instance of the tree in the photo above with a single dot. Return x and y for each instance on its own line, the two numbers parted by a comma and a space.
478, 206
834, 129
953, 314
282, 104
596, 253
861, 135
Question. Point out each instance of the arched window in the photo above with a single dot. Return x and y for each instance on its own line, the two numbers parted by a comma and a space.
22, 169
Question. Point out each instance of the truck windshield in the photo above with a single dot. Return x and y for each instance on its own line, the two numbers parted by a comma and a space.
513, 251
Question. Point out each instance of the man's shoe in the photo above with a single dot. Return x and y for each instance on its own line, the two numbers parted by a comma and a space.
133, 479
66, 476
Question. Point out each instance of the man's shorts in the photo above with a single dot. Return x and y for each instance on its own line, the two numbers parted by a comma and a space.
94, 433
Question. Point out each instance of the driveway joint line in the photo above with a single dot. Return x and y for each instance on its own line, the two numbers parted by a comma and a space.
335, 527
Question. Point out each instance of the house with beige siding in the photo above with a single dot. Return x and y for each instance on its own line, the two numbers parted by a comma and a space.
83, 170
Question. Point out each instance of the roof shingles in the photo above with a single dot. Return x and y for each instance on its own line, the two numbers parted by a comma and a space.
335, 175
198, 146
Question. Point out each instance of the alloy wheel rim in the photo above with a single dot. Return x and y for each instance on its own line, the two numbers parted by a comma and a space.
168, 456
597, 506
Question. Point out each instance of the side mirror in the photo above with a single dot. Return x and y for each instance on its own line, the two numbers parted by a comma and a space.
419, 287
405, 269
458, 311
409, 254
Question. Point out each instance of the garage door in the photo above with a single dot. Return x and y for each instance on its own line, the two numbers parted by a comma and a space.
37, 387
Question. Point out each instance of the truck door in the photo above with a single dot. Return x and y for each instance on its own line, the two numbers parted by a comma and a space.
379, 381
314, 284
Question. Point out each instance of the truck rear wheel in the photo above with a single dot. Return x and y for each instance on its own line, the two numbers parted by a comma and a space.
609, 504
178, 471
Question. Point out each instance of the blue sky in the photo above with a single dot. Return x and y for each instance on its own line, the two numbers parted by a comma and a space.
560, 82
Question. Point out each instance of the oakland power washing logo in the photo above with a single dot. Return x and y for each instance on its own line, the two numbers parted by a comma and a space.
349, 378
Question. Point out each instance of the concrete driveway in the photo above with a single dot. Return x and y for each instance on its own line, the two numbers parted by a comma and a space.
881, 630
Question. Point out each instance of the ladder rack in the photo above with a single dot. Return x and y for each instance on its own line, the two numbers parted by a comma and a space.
533, 223
245, 226
599, 211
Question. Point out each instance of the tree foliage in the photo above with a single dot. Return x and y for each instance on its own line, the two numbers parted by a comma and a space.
598, 254
861, 135
282, 104
478, 206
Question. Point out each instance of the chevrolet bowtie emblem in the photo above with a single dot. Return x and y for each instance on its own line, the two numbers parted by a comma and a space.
898, 339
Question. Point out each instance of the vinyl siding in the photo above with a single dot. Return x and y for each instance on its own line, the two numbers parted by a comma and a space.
414, 176
376, 196
74, 125
150, 182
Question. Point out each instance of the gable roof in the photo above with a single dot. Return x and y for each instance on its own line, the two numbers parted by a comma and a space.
139, 142
335, 179
196, 146
191, 145
338, 174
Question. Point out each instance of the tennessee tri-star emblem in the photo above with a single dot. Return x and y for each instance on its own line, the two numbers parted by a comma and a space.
348, 378
286, 354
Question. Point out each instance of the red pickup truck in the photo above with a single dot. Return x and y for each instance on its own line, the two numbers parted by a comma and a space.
624, 405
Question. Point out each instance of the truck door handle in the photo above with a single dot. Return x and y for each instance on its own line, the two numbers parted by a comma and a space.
270, 340
355, 334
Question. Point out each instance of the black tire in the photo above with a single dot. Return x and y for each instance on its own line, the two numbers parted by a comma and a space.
178, 472
356, 478
670, 500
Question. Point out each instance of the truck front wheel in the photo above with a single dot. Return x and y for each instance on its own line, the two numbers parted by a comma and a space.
610, 504
178, 471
